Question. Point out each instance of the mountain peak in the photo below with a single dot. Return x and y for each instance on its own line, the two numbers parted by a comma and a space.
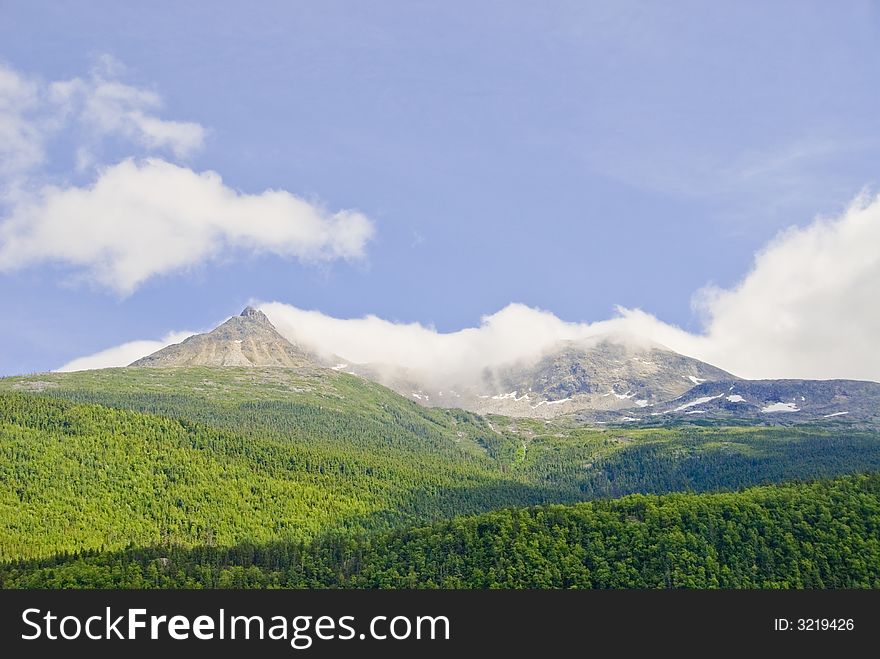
249, 339
256, 314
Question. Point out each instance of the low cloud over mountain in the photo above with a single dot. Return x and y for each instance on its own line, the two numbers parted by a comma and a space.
807, 309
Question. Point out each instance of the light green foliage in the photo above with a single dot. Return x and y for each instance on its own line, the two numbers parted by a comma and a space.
76, 476
815, 535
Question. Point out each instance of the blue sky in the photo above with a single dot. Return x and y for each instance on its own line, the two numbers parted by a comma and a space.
567, 156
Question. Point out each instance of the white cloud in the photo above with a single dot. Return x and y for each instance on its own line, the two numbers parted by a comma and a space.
21, 139
808, 309
33, 112
137, 218
122, 355
516, 332
109, 107
141, 219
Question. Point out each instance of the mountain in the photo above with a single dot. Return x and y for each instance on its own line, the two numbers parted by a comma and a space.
249, 339
607, 373
606, 379
776, 401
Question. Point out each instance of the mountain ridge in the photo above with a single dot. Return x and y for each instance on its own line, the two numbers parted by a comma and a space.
779, 401
605, 379
608, 373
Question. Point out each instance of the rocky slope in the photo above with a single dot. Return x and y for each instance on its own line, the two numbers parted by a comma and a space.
774, 401
246, 340
609, 373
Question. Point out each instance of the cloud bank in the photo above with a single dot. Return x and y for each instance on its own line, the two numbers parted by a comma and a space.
807, 309
145, 215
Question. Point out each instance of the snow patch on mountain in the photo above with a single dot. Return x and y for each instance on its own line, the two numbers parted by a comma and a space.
551, 402
780, 407
696, 401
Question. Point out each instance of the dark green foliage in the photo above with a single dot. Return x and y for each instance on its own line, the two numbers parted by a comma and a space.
824, 534
697, 463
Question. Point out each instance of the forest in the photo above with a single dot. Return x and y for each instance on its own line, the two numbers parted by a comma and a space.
823, 534
206, 469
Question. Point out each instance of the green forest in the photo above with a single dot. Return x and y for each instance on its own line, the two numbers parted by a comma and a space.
824, 534
275, 477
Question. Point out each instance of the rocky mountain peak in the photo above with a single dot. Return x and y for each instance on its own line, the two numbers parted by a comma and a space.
256, 314
249, 339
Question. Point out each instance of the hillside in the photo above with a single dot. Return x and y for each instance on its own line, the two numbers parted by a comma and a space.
78, 475
221, 456
814, 535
